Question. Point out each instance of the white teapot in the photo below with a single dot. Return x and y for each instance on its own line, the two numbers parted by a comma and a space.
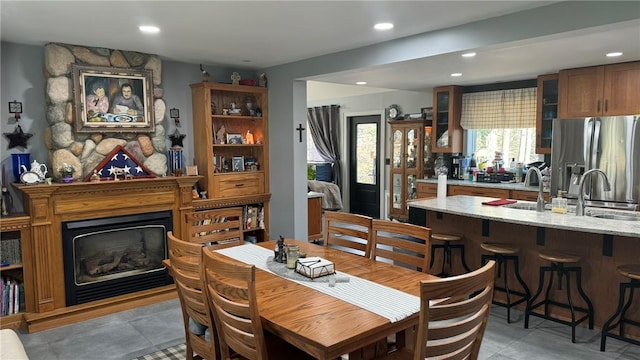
37, 168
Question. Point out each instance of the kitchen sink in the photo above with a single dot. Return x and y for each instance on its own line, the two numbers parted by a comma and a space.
616, 217
521, 206
524, 206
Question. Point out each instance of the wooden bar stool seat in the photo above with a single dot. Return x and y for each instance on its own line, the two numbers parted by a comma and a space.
631, 272
503, 253
447, 247
559, 260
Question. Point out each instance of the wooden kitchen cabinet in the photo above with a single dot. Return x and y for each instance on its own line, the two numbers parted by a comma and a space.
546, 111
477, 191
606, 90
407, 158
235, 172
447, 132
427, 190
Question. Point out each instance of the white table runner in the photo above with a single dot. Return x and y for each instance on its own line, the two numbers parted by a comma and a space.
390, 303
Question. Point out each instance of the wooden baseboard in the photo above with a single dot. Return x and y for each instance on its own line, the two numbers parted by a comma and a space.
72, 314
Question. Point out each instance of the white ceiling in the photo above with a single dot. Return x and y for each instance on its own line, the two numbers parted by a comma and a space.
261, 34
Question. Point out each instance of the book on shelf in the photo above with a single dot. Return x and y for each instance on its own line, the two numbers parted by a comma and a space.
12, 296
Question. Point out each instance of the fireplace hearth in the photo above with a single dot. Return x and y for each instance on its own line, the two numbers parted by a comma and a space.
112, 256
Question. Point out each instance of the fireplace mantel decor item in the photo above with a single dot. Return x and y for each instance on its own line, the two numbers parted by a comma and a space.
113, 100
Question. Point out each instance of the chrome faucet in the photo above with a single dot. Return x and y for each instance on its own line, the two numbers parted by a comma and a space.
580, 204
527, 182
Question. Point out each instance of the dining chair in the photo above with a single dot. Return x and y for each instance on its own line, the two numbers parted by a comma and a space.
347, 232
453, 316
231, 293
401, 243
186, 264
216, 227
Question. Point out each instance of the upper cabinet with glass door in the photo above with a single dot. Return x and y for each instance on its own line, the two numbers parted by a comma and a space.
546, 111
447, 133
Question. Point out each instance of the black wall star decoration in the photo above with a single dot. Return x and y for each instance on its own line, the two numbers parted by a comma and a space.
176, 139
17, 138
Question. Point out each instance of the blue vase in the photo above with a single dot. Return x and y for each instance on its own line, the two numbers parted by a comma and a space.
67, 179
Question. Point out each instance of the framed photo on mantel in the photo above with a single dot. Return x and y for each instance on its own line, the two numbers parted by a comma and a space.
112, 100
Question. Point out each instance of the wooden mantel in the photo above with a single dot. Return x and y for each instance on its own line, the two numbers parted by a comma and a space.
51, 205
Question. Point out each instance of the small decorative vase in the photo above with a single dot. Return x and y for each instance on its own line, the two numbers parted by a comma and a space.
67, 178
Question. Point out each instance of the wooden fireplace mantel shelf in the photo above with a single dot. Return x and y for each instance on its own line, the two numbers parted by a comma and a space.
50, 205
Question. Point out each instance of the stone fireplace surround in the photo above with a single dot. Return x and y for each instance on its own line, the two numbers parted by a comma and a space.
85, 151
51, 205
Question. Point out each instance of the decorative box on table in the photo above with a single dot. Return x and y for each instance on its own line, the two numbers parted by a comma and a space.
314, 267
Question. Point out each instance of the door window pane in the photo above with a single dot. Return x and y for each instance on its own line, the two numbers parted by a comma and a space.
366, 149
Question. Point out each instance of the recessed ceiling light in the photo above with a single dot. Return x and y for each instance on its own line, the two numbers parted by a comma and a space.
383, 26
614, 54
469, 54
456, 74
361, 83
148, 29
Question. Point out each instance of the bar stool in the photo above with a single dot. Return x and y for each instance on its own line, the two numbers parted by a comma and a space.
446, 247
502, 253
558, 261
632, 272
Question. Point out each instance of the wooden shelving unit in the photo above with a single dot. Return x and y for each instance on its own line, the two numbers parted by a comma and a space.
236, 173
17, 227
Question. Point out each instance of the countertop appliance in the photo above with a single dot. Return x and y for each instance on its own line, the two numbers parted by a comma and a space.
611, 144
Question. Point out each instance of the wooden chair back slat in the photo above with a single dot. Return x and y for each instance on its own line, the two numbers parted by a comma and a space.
466, 320
404, 244
217, 227
186, 267
230, 289
348, 232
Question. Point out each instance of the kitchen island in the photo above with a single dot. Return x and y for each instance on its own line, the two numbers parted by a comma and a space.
603, 244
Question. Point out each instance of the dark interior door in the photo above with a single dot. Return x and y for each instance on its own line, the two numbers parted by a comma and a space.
364, 175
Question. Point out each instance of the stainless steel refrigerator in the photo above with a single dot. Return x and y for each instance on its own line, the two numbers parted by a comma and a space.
611, 144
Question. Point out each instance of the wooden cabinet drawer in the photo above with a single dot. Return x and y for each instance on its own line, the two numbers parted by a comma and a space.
427, 190
478, 191
246, 183
527, 195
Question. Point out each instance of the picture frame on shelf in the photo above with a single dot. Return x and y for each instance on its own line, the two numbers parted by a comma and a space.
238, 163
113, 100
15, 107
234, 138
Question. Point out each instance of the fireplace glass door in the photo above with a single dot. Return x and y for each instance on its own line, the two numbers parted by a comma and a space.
113, 256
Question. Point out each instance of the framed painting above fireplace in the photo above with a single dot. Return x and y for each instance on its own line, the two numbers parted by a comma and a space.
113, 100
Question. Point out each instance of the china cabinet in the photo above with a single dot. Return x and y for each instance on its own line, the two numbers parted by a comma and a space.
447, 132
546, 111
407, 154
606, 90
231, 148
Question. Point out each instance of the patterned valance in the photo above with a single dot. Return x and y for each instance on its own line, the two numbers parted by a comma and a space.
500, 109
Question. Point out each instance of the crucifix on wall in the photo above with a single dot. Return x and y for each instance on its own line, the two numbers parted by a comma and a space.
300, 129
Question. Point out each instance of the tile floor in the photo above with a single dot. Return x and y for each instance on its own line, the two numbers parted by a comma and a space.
132, 333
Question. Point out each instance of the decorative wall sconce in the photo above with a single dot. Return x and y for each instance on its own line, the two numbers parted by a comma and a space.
175, 115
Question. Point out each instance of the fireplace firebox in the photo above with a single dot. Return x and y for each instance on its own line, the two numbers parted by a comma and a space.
112, 256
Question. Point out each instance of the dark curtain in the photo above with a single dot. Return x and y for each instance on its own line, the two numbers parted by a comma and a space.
323, 124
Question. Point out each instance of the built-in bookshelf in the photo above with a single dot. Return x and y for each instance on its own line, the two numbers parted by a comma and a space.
14, 274
232, 151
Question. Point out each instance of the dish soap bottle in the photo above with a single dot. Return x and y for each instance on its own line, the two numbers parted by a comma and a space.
512, 165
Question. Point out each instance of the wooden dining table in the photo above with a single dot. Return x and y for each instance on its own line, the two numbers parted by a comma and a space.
325, 326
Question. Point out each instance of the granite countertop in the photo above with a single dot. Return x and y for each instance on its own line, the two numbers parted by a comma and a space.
472, 206
507, 186
313, 194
